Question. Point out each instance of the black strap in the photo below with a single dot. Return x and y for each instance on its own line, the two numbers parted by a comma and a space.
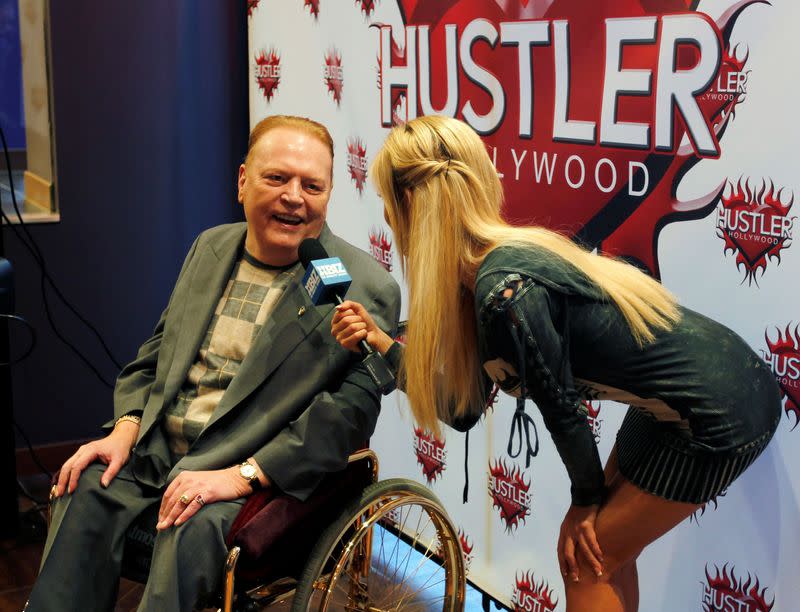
466, 468
521, 422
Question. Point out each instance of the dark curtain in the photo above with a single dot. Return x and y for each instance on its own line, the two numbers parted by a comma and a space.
151, 121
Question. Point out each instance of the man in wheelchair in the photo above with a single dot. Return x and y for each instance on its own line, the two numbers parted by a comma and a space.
241, 386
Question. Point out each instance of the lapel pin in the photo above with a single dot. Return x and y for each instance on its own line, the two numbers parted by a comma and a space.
302, 311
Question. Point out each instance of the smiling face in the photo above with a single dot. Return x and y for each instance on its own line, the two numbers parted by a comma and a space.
284, 186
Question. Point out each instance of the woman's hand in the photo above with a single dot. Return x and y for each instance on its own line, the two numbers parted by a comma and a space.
352, 323
114, 450
190, 491
578, 536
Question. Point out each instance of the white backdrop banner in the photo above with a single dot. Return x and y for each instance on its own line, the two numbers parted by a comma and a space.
658, 130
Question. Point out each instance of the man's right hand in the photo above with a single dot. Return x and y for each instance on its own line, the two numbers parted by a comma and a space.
114, 450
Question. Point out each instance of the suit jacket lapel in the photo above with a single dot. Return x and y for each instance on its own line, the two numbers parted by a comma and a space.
292, 320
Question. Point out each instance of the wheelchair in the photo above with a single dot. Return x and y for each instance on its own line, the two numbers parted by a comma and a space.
389, 546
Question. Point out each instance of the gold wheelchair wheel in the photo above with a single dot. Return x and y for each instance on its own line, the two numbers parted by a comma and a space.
394, 548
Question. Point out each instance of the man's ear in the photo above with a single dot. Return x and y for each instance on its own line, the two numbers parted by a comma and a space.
240, 182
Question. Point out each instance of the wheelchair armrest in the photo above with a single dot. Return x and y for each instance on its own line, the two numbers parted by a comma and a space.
271, 520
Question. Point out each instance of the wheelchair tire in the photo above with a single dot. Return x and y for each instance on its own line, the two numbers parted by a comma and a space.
393, 548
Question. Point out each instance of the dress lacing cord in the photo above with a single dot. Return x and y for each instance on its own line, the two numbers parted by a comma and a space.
465, 493
521, 422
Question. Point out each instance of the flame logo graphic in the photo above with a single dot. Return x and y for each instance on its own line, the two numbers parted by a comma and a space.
268, 64
754, 225
724, 587
784, 357
313, 7
532, 597
380, 247
333, 74
367, 6
430, 454
510, 493
357, 162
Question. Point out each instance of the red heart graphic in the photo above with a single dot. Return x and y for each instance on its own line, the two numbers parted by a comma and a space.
754, 224
509, 493
784, 357
611, 209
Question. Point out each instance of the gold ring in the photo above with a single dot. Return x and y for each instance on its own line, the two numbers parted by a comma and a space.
200, 501
184, 499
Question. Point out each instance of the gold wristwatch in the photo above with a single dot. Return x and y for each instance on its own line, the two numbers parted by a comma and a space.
249, 472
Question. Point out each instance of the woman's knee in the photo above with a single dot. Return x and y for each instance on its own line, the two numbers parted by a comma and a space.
615, 570
618, 562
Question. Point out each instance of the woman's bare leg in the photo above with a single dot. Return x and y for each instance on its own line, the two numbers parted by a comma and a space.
626, 577
629, 520
627, 581
622, 533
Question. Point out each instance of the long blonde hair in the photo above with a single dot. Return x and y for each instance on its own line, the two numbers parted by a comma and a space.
442, 199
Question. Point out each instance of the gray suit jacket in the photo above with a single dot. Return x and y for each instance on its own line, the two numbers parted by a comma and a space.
300, 403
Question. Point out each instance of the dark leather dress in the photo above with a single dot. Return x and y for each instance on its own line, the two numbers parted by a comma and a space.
704, 404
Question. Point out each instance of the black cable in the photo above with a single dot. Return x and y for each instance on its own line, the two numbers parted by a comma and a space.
32, 331
33, 452
33, 248
80, 355
46, 304
30, 495
37, 254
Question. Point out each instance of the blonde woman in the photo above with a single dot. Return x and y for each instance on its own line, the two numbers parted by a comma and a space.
550, 321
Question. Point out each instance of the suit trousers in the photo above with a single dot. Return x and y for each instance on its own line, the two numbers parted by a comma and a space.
82, 557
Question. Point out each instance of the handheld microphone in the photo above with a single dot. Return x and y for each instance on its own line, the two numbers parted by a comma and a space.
326, 280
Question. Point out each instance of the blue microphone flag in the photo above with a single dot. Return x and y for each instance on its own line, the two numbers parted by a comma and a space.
326, 278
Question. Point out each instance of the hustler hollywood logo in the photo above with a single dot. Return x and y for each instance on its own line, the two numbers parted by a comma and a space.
603, 125
252, 5
333, 74
268, 72
313, 7
532, 596
431, 454
724, 592
392, 519
755, 225
510, 493
466, 549
592, 409
731, 87
380, 247
491, 401
357, 163
367, 6
783, 357
467, 546
711, 504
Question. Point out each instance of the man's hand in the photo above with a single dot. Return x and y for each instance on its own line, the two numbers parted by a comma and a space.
578, 537
114, 450
190, 491
352, 323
